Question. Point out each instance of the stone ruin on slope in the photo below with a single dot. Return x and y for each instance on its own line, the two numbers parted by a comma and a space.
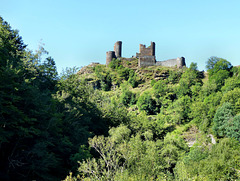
146, 56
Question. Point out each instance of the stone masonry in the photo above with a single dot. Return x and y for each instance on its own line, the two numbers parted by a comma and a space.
117, 53
146, 56
109, 56
118, 49
179, 62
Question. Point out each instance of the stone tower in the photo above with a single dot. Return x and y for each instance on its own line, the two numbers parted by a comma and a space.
109, 56
181, 62
118, 49
117, 53
146, 55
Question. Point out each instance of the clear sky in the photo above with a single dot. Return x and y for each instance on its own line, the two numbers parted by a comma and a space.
78, 32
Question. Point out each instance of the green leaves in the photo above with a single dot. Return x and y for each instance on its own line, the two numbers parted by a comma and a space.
127, 97
222, 116
121, 154
218, 163
147, 103
115, 64
233, 128
189, 78
179, 111
132, 79
219, 70
226, 123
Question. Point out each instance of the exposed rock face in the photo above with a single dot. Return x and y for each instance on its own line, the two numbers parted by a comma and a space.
212, 139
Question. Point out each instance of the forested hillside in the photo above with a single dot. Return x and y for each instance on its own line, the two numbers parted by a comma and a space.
118, 122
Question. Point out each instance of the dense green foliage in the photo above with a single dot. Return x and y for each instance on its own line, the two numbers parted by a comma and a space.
43, 120
147, 103
225, 123
118, 122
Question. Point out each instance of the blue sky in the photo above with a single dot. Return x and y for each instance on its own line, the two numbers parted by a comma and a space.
77, 32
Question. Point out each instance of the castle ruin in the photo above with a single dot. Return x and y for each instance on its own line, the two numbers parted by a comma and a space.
117, 53
146, 56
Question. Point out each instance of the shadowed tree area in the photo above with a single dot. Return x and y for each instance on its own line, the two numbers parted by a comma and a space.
43, 120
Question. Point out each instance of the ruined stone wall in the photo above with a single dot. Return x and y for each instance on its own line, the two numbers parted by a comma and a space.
150, 51
146, 56
146, 61
178, 62
143, 51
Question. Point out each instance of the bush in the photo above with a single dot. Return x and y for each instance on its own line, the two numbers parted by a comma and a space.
233, 128
222, 116
160, 88
219, 69
128, 98
104, 77
174, 77
115, 63
153, 81
146, 103
219, 163
132, 79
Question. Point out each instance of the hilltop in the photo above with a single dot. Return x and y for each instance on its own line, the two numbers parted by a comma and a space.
188, 111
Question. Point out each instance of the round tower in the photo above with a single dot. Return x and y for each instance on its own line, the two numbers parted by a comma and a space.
109, 56
118, 49
181, 62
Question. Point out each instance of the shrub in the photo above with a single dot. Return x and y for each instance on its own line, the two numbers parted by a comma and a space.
115, 63
146, 103
222, 116
123, 72
128, 98
233, 128
132, 79
174, 77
